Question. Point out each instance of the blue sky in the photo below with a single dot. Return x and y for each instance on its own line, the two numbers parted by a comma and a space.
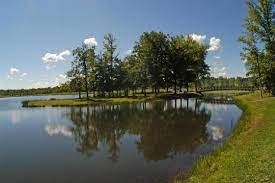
32, 28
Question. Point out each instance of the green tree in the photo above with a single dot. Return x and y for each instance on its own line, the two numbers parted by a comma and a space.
152, 48
85, 61
187, 61
259, 38
111, 59
76, 77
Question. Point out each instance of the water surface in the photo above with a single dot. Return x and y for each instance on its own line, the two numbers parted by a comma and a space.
141, 142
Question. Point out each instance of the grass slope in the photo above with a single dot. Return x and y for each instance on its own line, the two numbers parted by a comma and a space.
235, 92
249, 154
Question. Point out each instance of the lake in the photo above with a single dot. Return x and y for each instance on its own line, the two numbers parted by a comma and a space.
140, 142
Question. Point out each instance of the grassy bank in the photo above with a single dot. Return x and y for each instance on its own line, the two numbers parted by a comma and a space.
79, 102
92, 101
225, 92
249, 154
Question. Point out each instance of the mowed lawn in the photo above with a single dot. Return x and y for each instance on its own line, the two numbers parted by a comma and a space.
249, 154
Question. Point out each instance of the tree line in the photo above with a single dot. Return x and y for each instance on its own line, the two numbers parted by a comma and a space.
158, 61
259, 43
62, 89
206, 83
227, 83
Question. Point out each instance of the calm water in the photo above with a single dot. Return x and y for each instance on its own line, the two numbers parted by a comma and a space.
143, 142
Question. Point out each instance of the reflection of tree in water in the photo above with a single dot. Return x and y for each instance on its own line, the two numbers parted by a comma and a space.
95, 125
165, 128
169, 132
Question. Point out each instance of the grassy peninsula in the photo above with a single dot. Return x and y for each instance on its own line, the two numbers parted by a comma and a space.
97, 100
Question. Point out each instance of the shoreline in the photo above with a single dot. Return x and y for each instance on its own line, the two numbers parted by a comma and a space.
246, 155
98, 100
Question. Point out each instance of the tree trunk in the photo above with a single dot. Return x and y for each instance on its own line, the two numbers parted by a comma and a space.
79, 94
86, 79
196, 87
144, 92
175, 86
260, 75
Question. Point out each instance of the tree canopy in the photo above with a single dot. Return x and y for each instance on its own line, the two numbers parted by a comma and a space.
157, 61
259, 42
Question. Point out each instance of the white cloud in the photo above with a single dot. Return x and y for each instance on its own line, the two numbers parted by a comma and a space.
90, 42
65, 53
215, 44
245, 61
54, 57
14, 71
219, 71
198, 38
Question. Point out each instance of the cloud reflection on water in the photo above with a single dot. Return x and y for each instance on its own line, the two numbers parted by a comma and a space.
216, 133
57, 129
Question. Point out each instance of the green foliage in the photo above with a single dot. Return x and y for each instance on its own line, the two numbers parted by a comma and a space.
211, 83
153, 49
187, 61
81, 73
63, 89
157, 61
259, 42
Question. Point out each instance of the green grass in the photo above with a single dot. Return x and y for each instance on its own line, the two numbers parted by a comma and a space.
92, 101
80, 102
249, 154
227, 92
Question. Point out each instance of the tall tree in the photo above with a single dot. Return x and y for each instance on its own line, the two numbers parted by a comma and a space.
85, 59
111, 58
152, 49
251, 55
259, 38
76, 78
187, 61
134, 69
